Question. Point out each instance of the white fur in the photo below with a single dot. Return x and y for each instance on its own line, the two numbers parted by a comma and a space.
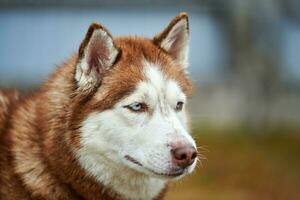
178, 32
87, 80
107, 137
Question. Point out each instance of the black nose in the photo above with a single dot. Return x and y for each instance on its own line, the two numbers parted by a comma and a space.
184, 156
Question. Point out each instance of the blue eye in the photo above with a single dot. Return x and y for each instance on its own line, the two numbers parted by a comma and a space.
137, 107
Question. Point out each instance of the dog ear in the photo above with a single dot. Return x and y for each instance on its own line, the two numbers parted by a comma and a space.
175, 39
97, 53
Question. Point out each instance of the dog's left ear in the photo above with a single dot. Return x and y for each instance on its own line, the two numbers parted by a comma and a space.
175, 39
97, 54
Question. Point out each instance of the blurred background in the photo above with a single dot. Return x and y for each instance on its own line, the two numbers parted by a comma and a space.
244, 62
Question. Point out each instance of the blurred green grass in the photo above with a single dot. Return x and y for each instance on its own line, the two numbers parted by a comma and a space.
243, 164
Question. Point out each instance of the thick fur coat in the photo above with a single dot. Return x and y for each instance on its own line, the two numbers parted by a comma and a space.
80, 136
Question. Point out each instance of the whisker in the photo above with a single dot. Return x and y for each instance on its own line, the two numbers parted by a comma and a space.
203, 148
199, 164
201, 156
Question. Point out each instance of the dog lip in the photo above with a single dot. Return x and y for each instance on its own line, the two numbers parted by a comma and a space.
131, 159
175, 174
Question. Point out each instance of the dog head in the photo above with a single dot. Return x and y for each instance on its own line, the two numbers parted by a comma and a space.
135, 113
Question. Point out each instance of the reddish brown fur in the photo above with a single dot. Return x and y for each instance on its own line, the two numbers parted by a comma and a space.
39, 133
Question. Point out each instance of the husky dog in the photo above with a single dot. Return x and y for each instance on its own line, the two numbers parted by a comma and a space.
110, 123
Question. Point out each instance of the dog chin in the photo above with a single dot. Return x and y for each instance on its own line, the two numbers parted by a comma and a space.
170, 174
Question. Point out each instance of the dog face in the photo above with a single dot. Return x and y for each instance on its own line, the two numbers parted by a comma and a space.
136, 117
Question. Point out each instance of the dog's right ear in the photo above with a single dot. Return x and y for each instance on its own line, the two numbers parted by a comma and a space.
97, 53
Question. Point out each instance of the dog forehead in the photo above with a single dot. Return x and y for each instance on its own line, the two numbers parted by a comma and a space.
153, 75
157, 84
159, 79
140, 53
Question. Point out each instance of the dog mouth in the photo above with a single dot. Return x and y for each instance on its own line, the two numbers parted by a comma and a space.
175, 173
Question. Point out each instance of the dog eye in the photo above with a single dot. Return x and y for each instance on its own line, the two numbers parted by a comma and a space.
137, 107
179, 106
